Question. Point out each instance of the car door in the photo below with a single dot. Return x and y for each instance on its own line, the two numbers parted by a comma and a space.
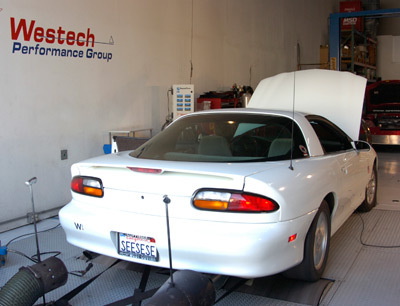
337, 146
362, 169
352, 178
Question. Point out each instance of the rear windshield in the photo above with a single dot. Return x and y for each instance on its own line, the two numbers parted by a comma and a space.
226, 137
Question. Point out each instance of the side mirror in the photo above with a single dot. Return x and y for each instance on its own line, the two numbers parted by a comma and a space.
361, 145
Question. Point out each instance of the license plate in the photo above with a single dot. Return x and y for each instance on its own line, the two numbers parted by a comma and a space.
136, 246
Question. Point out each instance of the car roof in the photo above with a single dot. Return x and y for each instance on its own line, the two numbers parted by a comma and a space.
253, 110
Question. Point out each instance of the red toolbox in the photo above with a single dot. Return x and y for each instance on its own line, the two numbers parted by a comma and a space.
216, 103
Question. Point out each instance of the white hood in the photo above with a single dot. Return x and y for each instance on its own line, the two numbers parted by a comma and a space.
335, 95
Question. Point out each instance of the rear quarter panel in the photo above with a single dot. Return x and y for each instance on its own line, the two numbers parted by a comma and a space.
299, 191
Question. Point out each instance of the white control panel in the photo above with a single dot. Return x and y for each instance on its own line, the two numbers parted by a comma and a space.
182, 100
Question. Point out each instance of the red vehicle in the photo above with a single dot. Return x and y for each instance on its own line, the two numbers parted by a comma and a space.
382, 114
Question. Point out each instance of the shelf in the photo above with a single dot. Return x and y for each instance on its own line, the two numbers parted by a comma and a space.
348, 61
335, 30
358, 53
360, 35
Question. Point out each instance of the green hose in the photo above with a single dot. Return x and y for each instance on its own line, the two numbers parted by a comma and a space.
22, 289
30, 283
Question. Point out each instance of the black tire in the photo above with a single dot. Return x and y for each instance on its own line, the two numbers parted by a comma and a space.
316, 248
371, 192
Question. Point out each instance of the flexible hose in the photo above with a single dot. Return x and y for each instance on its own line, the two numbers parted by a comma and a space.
21, 290
30, 283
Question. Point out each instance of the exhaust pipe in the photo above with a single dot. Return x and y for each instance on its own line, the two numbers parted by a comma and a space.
32, 282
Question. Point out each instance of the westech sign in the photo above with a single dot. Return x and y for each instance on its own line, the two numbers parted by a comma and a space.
59, 39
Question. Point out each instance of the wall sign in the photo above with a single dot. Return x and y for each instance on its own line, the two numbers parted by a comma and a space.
31, 39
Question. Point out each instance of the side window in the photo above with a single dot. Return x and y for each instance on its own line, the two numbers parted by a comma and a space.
331, 137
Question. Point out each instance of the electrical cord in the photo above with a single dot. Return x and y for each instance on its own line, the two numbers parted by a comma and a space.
373, 245
24, 235
168, 91
56, 253
79, 273
22, 254
168, 118
33, 258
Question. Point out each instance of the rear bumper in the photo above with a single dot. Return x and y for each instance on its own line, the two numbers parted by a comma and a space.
237, 249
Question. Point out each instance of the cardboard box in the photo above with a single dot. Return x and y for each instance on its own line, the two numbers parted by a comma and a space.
324, 57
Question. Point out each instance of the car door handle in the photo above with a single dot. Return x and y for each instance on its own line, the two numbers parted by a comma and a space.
344, 169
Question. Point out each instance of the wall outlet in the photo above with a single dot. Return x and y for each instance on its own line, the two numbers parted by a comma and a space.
29, 217
64, 154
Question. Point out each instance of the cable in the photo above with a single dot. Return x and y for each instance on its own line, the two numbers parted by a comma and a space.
22, 254
168, 118
33, 258
12, 240
168, 91
47, 253
298, 55
373, 245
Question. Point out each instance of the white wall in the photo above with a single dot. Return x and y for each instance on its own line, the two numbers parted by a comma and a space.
388, 51
388, 57
50, 103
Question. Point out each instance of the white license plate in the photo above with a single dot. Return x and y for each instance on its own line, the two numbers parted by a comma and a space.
137, 247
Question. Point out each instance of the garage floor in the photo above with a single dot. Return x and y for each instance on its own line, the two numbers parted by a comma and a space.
363, 267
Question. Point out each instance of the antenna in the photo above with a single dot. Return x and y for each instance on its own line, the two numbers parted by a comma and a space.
167, 200
292, 138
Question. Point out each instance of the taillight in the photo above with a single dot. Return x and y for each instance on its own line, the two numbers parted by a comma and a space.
235, 202
87, 185
145, 170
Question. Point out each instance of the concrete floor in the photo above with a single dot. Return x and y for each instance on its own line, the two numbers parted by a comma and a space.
362, 268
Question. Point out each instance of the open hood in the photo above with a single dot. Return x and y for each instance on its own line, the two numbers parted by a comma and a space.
335, 95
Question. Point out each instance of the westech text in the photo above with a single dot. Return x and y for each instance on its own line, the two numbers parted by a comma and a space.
58, 36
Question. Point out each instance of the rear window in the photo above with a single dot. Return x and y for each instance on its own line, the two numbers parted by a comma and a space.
226, 137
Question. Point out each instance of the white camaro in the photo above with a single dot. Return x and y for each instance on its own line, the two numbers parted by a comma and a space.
249, 192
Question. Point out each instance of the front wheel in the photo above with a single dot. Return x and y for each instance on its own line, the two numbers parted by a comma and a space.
316, 248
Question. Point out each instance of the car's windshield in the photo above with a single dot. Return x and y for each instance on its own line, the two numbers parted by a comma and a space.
385, 93
226, 137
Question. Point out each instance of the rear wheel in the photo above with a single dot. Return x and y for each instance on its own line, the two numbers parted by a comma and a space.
316, 248
370, 192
